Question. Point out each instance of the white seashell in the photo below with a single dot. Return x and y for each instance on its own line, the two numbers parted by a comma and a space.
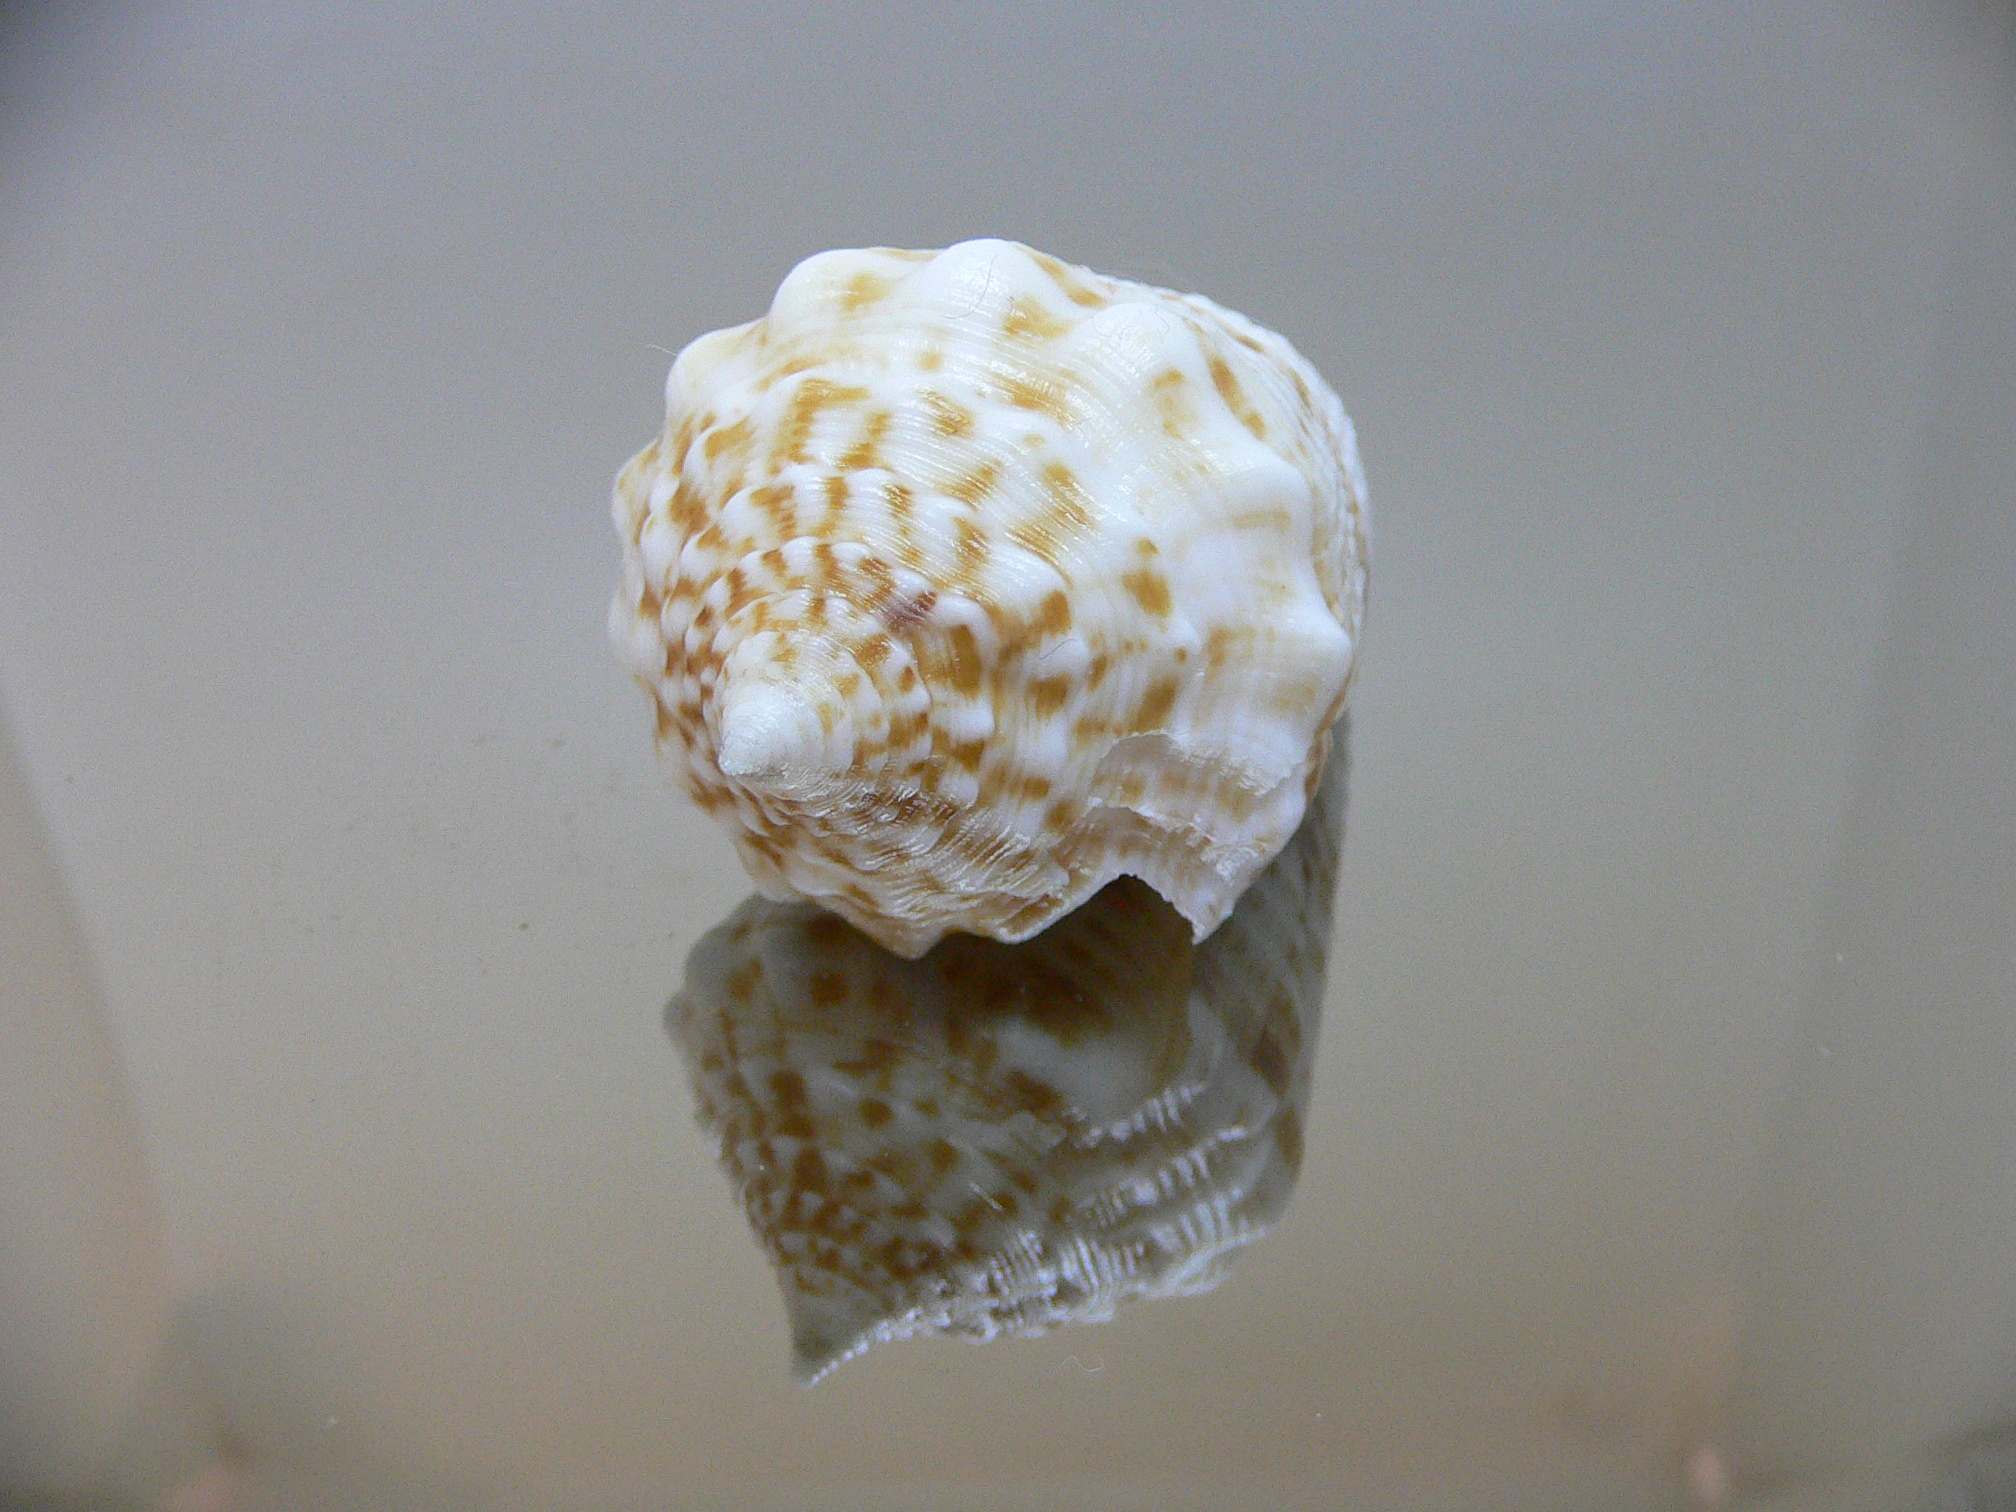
1004, 1138
968, 581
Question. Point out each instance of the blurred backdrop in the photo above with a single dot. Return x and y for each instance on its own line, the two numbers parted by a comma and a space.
1659, 1149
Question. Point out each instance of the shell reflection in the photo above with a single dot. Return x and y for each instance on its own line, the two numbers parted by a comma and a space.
998, 1139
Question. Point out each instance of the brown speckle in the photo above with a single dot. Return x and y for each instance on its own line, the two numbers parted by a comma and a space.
1046, 396
812, 396
971, 486
947, 417
1067, 496
964, 656
1156, 704
836, 497
1235, 397
862, 290
1053, 615
1150, 590
1068, 279
971, 547
775, 500
867, 451
1048, 694
1271, 1061
808, 1172
734, 437
1172, 403
1027, 320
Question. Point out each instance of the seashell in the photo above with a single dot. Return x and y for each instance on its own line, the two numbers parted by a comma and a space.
968, 581
999, 1139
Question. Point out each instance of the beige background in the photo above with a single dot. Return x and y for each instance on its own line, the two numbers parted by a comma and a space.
1661, 1124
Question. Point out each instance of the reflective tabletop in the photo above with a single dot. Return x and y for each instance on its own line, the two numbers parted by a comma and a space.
403, 1101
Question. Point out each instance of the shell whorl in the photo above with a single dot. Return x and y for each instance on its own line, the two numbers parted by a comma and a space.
967, 581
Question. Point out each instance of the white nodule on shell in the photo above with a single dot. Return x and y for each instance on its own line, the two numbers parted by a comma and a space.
964, 582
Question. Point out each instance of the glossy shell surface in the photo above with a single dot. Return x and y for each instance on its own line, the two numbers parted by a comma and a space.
964, 582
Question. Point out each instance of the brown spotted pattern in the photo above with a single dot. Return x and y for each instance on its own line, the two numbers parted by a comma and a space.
1063, 577
998, 1139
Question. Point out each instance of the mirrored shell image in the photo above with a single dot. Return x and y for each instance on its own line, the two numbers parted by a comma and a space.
965, 582
999, 1139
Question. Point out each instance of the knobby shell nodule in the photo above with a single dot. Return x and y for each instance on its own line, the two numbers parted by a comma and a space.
998, 1139
965, 582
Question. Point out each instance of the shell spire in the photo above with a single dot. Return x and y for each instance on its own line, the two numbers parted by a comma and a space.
965, 582
784, 734
770, 732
